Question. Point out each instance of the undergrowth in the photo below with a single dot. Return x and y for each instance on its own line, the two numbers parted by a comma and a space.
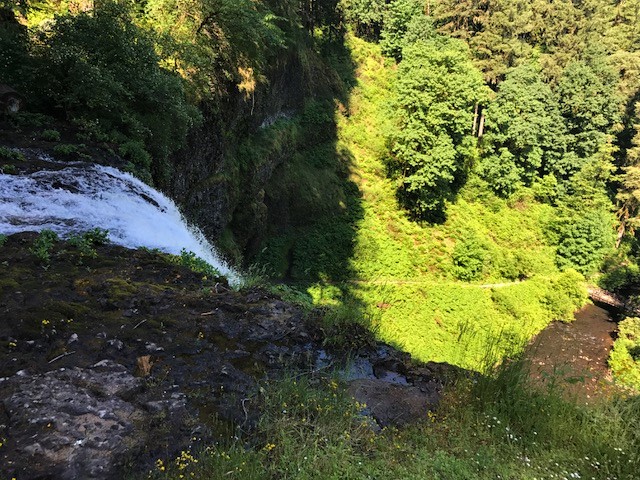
86, 242
625, 357
43, 245
489, 270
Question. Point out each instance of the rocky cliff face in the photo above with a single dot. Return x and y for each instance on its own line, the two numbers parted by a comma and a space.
206, 179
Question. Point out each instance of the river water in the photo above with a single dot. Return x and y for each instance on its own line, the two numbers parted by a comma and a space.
72, 198
574, 355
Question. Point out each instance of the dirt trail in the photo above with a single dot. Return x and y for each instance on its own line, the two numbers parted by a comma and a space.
394, 281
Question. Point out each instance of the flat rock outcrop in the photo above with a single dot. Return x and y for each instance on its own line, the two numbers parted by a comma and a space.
110, 362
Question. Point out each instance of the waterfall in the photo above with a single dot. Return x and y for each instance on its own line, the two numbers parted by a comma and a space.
81, 197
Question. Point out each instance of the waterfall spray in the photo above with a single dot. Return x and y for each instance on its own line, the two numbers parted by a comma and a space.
82, 197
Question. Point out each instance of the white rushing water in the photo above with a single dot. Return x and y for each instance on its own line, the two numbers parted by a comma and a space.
81, 197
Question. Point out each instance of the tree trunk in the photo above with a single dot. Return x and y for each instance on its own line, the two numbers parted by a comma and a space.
475, 120
621, 230
481, 127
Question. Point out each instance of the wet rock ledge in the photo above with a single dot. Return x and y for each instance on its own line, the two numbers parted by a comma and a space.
107, 363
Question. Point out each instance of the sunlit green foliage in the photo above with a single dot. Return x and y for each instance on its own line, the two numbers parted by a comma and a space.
583, 238
628, 194
469, 257
625, 357
432, 146
397, 17
493, 30
407, 273
208, 41
525, 132
588, 102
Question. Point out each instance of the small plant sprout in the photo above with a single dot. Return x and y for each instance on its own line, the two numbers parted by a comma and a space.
43, 245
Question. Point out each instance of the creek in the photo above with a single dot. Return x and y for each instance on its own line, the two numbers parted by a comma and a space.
574, 355
72, 198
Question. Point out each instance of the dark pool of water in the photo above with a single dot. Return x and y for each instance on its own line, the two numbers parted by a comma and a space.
574, 355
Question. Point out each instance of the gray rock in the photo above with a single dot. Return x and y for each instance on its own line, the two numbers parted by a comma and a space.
175, 405
73, 423
115, 343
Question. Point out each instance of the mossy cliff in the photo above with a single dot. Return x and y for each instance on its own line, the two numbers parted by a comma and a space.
227, 108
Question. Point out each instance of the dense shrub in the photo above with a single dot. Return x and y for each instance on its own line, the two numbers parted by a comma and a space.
582, 239
564, 295
100, 71
469, 258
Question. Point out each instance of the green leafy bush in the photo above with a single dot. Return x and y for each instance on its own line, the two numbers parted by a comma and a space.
65, 149
87, 241
3, 240
469, 258
50, 135
196, 264
625, 356
582, 238
565, 294
8, 154
518, 265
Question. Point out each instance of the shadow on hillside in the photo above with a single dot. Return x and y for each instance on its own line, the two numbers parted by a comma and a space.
313, 206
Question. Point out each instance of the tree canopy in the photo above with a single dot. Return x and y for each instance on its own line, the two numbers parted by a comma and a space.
432, 144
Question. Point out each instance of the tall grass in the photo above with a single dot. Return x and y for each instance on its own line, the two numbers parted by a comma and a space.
600, 440
489, 427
